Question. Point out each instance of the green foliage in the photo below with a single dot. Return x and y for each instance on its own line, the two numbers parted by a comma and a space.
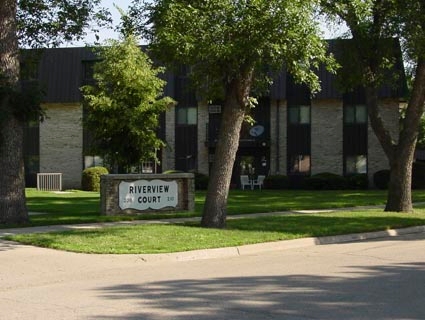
357, 181
229, 38
124, 105
231, 46
48, 23
91, 178
381, 179
325, 181
276, 182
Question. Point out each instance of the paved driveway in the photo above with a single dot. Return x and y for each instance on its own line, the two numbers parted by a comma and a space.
380, 279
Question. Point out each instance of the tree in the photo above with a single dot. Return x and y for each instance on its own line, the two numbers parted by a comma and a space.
231, 45
371, 23
124, 105
32, 24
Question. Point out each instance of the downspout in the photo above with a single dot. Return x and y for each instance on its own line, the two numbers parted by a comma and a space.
277, 135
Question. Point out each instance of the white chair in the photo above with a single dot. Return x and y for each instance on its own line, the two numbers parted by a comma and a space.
245, 182
258, 182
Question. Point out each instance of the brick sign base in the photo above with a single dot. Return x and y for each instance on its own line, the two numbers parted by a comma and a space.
146, 193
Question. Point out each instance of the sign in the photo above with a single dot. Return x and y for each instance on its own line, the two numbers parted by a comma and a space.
144, 194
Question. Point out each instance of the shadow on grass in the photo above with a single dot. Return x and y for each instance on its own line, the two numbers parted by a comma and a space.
65, 205
324, 225
386, 292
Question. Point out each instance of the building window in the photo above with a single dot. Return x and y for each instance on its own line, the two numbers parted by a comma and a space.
29, 70
148, 167
355, 114
92, 161
299, 114
299, 164
187, 115
356, 164
88, 72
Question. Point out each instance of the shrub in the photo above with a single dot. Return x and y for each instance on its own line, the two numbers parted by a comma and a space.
201, 181
418, 175
325, 181
91, 178
381, 179
276, 182
357, 181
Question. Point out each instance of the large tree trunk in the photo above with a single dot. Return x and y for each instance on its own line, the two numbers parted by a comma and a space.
401, 161
400, 154
215, 208
399, 197
12, 180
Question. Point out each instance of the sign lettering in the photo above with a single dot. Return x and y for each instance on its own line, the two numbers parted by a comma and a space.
145, 194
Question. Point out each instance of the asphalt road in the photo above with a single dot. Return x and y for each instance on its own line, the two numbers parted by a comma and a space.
379, 279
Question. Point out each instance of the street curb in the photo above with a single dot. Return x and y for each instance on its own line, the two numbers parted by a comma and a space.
252, 249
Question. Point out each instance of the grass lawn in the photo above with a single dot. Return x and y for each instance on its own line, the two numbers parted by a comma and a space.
76, 207
182, 237
82, 207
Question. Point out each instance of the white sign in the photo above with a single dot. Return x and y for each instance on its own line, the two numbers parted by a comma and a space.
144, 194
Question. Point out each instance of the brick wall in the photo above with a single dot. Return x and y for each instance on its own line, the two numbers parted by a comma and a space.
203, 116
168, 154
278, 110
326, 136
377, 160
61, 143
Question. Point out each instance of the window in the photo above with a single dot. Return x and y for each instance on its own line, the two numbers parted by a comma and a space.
299, 114
148, 167
356, 164
214, 108
29, 70
187, 115
88, 71
355, 114
92, 161
299, 164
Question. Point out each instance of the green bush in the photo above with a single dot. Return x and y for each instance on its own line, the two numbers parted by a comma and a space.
381, 179
357, 181
418, 175
276, 182
91, 178
325, 181
201, 181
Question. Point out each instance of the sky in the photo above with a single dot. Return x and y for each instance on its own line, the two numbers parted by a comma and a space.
108, 33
